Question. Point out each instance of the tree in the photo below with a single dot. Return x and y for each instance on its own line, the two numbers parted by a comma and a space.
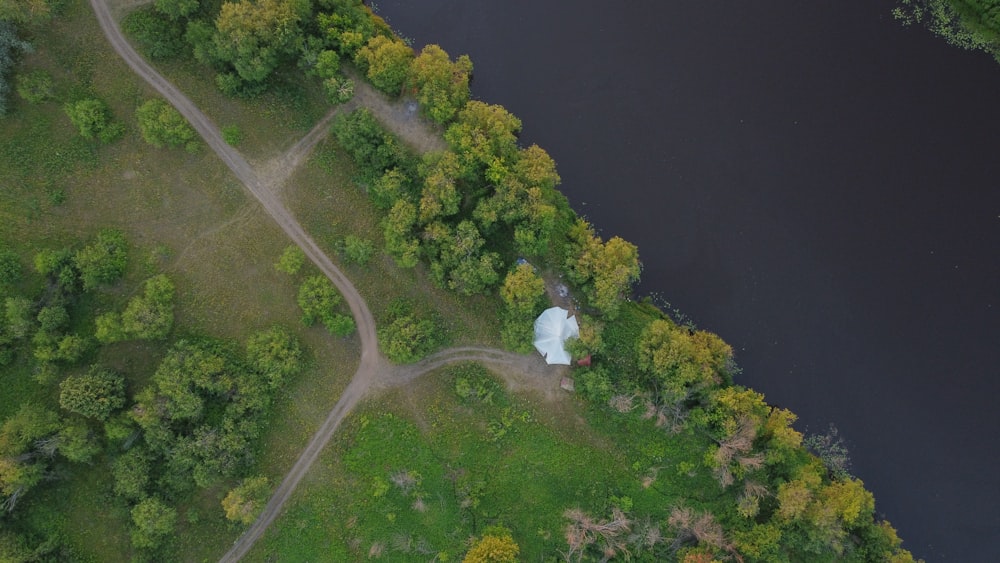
493, 548
440, 195
245, 502
77, 443
275, 353
32, 422
462, 265
146, 317
485, 139
10, 267
92, 118
605, 271
523, 294
408, 338
176, 9
291, 260
131, 474
386, 62
254, 36
397, 228
104, 260
317, 298
156, 34
372, 148
441, 87
391, 187
95, 395
153, 521
19, 320
523, 291
161, 125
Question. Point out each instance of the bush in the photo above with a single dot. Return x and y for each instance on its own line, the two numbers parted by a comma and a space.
410, 337
10, 267
92, 118
232, 135
340, 325
161, 125
339, 90
317, 299
291, 260
104, 260
358, 250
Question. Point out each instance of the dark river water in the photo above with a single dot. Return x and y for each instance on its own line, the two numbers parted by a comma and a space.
810, 180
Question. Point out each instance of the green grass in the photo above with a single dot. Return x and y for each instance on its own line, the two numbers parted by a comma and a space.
547, 459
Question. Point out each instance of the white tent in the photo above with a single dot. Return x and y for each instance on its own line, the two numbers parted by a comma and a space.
552, 328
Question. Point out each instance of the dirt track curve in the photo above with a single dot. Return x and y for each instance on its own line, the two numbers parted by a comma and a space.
373, 370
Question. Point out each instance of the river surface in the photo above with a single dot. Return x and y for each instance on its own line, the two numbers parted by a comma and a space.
810, 180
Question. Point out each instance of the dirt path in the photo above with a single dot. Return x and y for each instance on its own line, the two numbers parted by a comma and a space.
373, 370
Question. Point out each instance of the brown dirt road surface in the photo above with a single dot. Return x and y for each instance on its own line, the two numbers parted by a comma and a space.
374, 371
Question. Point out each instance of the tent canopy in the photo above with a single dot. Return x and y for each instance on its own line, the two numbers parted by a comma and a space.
552, 329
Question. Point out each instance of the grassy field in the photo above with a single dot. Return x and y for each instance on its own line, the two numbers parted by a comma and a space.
417, 473
185, 215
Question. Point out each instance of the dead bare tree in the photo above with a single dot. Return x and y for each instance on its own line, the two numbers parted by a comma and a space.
584, 531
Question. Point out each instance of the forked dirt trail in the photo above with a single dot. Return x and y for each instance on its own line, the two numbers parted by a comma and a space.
374, 371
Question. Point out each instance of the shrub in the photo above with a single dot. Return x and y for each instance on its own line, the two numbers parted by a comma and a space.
161, 125
358, 250
291, 260
35, 87
92, 118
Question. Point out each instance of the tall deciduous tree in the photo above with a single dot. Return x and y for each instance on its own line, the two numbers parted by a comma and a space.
604, 270
96, 394
441, 86
386, 62
254, 35
153, 521
104, 260
243, 503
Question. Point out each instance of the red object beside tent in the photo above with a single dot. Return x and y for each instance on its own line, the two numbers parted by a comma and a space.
585, 362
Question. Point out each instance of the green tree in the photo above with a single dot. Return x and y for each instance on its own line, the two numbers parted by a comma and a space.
104, 260
176, 9
291, 260
18, 316
523, 291
372, 148
156, 34
485, 139
680, 364
392, 186
275, 353
77, 443
153, 521
317, 298
463, 265
408, 338
400, 241
493, 548
10, 267
131, 473
161, 125
96, 394
386, 62
440, 196
92, 118
604, 270
245, 502
254, 36
31, 423
441, 86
